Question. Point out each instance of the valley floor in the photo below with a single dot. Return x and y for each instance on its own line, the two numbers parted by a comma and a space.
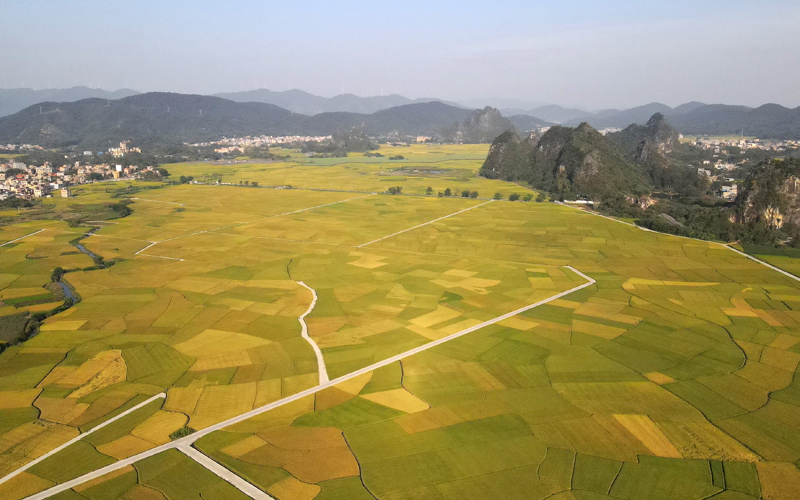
662, 368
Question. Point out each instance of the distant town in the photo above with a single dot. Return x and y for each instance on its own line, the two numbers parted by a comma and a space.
19, 180
228, 145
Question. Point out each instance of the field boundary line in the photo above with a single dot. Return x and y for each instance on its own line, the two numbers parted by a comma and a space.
192, 438
81, 436
756, 259
725, 245
224, 473
20, 238
323, 370
287, 240
425, 224
235, 225
159, 201
153, 243
292, 212
90, 235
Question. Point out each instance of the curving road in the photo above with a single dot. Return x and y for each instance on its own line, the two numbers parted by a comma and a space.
186, 442
323, 370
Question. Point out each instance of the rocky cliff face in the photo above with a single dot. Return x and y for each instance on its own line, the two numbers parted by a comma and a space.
568, 162
643, 143
770, 194
585, 163
655, 148
508, 158
481, 126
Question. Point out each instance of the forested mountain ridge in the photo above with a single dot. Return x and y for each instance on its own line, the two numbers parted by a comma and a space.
570, 162
655, 147
14, 100
168, 118
299, 101
481, 126
155, 117
769, 121
567, 162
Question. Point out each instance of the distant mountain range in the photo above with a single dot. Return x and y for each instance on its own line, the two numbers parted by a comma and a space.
550, 113
304, 103
13, 100
158, 117
695, 118
167, 118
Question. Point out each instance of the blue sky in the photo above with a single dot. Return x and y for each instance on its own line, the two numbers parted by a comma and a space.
596, 54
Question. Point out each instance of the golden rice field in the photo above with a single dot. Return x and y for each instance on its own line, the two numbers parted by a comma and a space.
672, 377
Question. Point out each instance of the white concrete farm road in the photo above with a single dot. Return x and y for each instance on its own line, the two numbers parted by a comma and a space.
185, 444
216, 229
20, 238
726, 245
323, 370
153, 243
423, 224
81, 436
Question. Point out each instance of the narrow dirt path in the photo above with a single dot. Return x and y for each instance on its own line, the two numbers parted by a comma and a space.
323, 370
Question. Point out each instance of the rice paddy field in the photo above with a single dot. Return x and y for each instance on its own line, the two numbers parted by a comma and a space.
671, 377
425, 165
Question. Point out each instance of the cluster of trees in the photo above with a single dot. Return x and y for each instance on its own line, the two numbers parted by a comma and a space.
765, 191
714, 223
121, 209
449, 192
397, 157
342, 142
395, 190
186, 179
16, 203
14, 171
263, 153
40, 157
516, 196
249, 183
332, 154
157, 174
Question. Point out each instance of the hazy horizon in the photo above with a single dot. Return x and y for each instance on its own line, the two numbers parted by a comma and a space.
591, 55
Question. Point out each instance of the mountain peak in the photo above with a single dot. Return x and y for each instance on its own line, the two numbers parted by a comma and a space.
656, 120
482, 125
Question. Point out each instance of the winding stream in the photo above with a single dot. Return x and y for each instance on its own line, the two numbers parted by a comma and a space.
67, 291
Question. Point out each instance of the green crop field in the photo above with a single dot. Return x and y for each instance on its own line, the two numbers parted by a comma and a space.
436, 166
672, 376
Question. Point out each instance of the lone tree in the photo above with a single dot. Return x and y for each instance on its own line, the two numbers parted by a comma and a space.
513, 197
527, 197
473, 194
448, 192
429, 190
465, 193
498, 196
